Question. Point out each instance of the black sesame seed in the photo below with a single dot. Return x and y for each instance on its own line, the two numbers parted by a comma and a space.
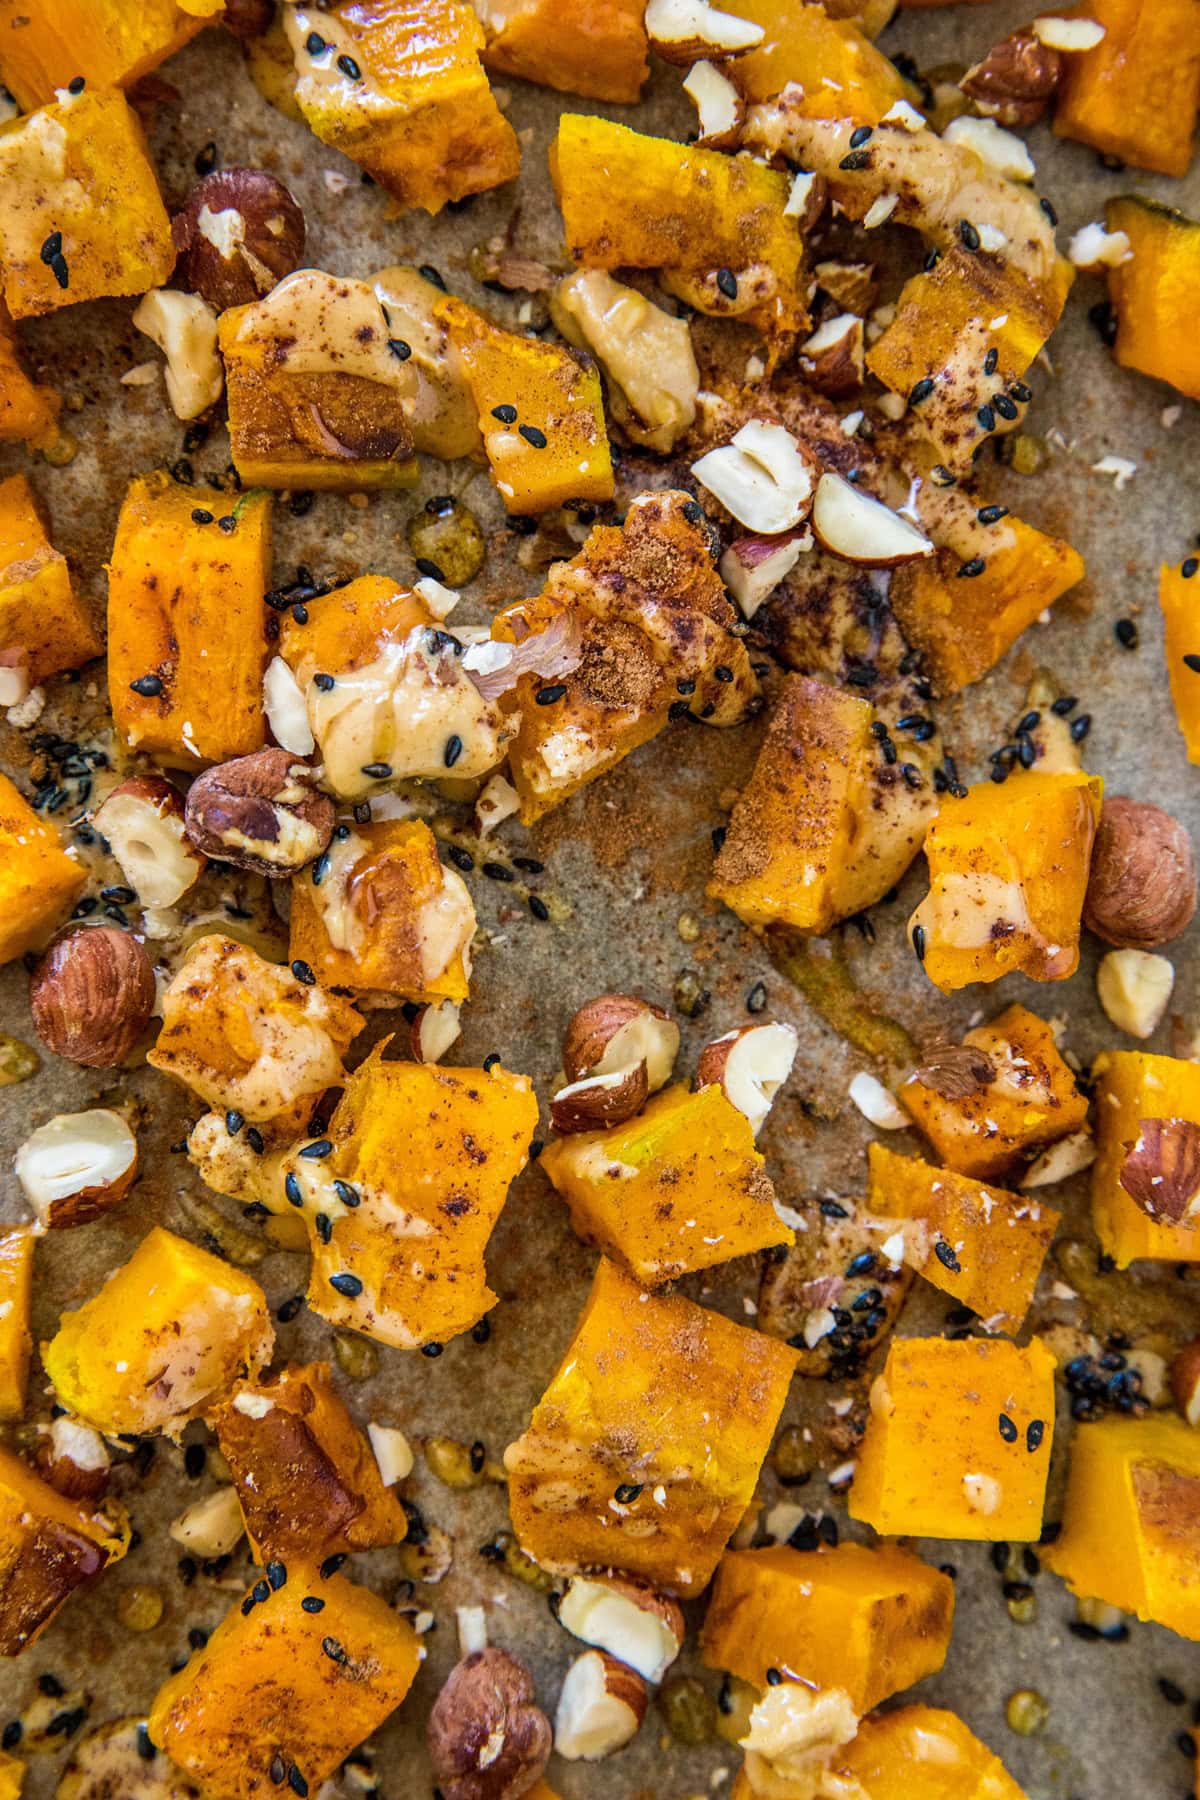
296, 1780
534, 436
303, 973
860, 135
990, 361
723, 672
854, 160
774, 1677
51, 1686
491, 1061
1081, 726
333, 1650
276, 1574
497, 871
1008, 1430
348, 1285
352, 72
967, 235
432, 1351
462, 859
326, 683
986, 417
324, 1227
1126, 634
254, 1138
538, 907
233, 1122
194, 1459
756, 999
547, 696
311, 1603
399, 349
1066, 703
432, 275
378, 771
1035, 1434
921, 391
1170, 1691
507, 415
918, 942
145, 1749
329, 1567
481, 1331
76, 84
348, 1195
427, 567
1188, 567
1004, 406
1186, 1743
1104, 319
975, 566
292, 1189
201, 516
945, 1255
147, 685
315, 44
1049, 211
289, 1309
627, 1492
727, 283
1193, 663
1020, 392
318, 1151
453, 750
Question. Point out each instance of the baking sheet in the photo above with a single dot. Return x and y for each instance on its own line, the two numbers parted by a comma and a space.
630, 857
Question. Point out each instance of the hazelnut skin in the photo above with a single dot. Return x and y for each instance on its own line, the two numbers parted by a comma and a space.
1141, 890
261, 812
488, 1698
92, 995
239, 232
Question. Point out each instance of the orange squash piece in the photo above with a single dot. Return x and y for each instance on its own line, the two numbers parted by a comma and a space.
1155, 295
921, 1750
983, 1246
1179, 597
79, 172
556, 448
958, 1441
993, 1125
1132, 1086
49, 1546
39, 611
1136, 93
871, 1622
28, 412
38, 880
186, 612
1008, 867
643, 1452
418, 115
597, 48
680, 1187
306, 1477
114, 45
16, 1292
12, 1776
841, 72
282, 1686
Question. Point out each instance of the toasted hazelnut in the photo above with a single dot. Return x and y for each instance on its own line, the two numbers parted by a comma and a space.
876, 1103
239, 233
184, 327
862, 530
1016, 79
614, 1033
600, 1708
92, 994
833, 358
753, 567
210, 1527
261, 812
74, 1459
1134, 987
853, 286
248, 18
721, 109
630, 1619
1069, 1156
1185, 1381
599, 1101
1141, 888
764, 477
1161, 1170
76, 1167
487, 1738
433, 1030
751, 1065
142, 821
681, 30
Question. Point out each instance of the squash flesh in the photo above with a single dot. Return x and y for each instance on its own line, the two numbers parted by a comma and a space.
1156, 293
39, 611
16, 1293
598, 48
49, 1546
1136, 93
1132, 1086
921, 1750
840, 70
38, 880
1179, 598
44, 47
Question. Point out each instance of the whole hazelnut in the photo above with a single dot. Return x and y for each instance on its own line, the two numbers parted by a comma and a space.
240, 231
92, 995
1142, 886
487, 1737
261, 812
615, 1032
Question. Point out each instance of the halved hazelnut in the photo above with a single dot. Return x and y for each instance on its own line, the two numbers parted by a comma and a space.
74, 1459
751, 1065
287, 710
1141, 888
762, 476
852, 286
262, 812
210, 1527
600, 1708
184, 327
833, 359
1069, 1156
861, 530
720, 108
487, 1738
1134, 988
433, 1030
1185, 1382
1161, 1170
614, 1033
753, 567
1067, 34
92, 995
681, 30
142, 820
599, 1101
630, 1619
1015, 81
239, 233
15, 685
76, 1167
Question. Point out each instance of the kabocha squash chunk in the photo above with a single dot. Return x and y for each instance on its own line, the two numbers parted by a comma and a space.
28, 413
12, 1776
317, 399
1004, 1095
1132, 1087
1008, 867
871, 1622
16, 1279
1131, 1519
306, 1477
1156, 294
385, 918
166, 1336
281, 1687
921, 1750
1179, 597
398, 87
982, 1245
43, 49
825, 826
187, 627
598, 48
551, 446
78, 175
39, 613
643, 1453
38, 880
678, 1188
427, 1156
245, 1033
49, 1546
698, 214
841, 72
1136, 93
958, 1440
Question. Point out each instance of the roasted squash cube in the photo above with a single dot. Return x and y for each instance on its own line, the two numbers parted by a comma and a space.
556, 447
980, 1244
245, 1033
317, 398
1155, 293
841, 73
113, 45
923, 1753
1132, 1087
385, 918
38, 879
678, 1188
597, 49
39, 612
165, 1337
306, 1477
1135, 95
1179, 597
698, 213
28, 413
871, 1622
644, 1451
420, 1168
78, 175
417, 112
1008, 868
802, 846
49, 1546
281, 1685
187, 623
12, 1776
958, 1441
1131, 1519
16, 1285
993, 1110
